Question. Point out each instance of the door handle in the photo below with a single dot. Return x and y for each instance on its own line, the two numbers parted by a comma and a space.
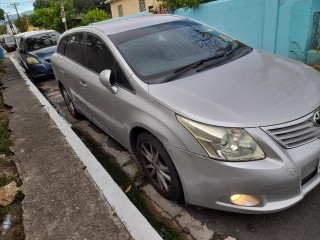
83, 84
61, 71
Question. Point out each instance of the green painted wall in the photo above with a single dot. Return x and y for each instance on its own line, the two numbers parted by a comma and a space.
284, 27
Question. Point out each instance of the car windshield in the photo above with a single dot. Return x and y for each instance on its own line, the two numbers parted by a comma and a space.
156, 51
9, 39
42, 41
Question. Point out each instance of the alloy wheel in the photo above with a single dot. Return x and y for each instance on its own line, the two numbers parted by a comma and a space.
155, 167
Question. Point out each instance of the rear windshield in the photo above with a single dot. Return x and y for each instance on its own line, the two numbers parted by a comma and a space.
156, 51
9, 39
42, 41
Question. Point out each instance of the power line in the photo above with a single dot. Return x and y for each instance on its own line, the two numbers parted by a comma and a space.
10, 24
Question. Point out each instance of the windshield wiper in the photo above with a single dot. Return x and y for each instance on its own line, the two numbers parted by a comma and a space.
179, 71
216, 61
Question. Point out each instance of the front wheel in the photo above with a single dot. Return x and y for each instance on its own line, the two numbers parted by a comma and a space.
69, 103
158, 166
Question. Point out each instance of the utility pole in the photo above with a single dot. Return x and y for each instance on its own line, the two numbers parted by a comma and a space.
15, 6
63, 16
10, 24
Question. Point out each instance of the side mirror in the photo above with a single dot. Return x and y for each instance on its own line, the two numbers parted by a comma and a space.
105, 80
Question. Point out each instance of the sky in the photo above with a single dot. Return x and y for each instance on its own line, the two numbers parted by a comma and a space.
22, 6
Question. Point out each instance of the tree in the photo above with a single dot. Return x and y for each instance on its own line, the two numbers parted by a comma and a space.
50, 17
21, 24
94, 15
1, 15
3, 29
41, 4
83, 6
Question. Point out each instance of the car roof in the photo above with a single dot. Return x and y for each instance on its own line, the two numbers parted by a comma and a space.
114, 26
8, 36
34, 33
22, 34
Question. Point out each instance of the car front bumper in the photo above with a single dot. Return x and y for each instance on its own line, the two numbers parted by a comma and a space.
279, 181
40, 70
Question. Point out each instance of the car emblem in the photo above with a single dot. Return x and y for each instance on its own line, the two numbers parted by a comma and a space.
316, 118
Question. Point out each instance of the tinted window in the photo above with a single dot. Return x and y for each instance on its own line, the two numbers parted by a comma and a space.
98, 56
121, 79
42, 41
74, 49
62, 44
21, 43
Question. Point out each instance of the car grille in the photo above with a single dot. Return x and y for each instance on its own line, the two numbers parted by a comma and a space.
296, 133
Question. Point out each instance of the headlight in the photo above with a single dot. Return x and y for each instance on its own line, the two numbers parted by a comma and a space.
227, 144
32, 60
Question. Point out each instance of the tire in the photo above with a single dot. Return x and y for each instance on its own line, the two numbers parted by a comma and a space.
158, 166
68, 100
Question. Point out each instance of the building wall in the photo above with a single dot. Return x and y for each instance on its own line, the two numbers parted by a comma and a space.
279, 26
130, 6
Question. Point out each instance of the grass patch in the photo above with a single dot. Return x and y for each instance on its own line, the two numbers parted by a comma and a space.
1, 66
5, 137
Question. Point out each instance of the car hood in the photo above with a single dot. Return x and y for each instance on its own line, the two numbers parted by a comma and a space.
44, 53
259, 89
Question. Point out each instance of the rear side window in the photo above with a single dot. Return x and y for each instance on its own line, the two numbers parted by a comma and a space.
62, 45
74, 49
98, 56
21, 43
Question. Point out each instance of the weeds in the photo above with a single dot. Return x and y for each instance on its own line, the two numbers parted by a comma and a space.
8, 172
5, 137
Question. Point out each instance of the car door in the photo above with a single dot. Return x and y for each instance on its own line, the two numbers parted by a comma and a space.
22, 52
73, 70
101, 102
59, 62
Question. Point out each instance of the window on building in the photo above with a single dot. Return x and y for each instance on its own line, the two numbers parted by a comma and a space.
142, 5
120, 10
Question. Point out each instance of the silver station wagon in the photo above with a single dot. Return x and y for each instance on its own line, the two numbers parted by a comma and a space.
212, 120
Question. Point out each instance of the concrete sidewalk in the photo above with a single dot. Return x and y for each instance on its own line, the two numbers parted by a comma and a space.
61, 201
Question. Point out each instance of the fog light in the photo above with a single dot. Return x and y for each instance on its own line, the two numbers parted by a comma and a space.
244, 200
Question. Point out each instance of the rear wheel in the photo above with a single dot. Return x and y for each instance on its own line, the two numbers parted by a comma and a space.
158, 166
69, 103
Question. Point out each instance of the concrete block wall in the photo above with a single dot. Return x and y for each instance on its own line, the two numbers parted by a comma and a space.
284, 27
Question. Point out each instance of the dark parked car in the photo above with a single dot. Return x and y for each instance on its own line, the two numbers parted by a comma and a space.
8, 43
35, 51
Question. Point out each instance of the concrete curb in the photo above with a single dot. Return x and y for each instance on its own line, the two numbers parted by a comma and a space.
138, 227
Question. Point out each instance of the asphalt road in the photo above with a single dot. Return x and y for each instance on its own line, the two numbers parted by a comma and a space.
300, 222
